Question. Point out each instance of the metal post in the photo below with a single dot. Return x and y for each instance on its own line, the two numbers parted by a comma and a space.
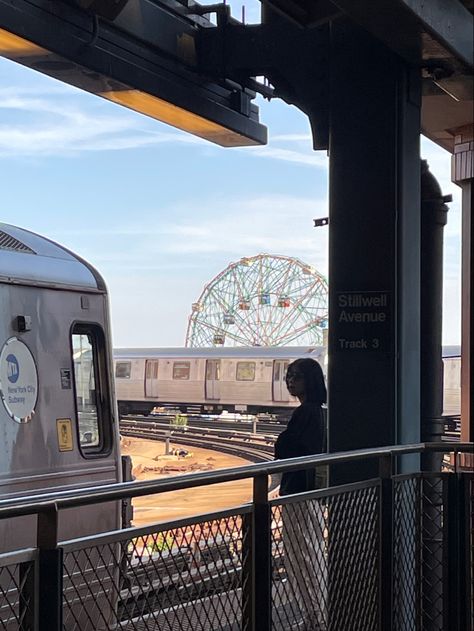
456, 528
466, 552
463, 176
374, 240
386, 543
433, 219
50, 572
248, 591
262, 558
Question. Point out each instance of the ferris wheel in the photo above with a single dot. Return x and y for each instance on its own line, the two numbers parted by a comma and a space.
263, 300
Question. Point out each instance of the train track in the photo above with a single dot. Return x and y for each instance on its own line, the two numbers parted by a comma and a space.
253, 447
141, 592
269, 430
262, 427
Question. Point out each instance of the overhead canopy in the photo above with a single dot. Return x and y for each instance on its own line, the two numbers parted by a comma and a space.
144, 59
143, 54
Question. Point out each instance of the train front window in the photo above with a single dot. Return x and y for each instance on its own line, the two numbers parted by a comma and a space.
88, 355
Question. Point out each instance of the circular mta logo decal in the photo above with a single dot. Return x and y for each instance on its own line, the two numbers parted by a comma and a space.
18, 380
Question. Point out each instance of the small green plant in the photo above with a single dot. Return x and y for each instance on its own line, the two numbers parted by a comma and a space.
180, 420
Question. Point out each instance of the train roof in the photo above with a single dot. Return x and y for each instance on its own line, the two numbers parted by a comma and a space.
252, 352
28, 258
451, 351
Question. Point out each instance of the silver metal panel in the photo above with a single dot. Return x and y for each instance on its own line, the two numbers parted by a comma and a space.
31, 461
49, 265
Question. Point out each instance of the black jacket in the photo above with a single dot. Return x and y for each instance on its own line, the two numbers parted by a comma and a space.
304, 436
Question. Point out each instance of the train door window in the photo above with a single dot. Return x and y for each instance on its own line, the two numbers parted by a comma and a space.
213, 370
181, 370
123, 370
90, 385
151, 378
245, 371
280, 392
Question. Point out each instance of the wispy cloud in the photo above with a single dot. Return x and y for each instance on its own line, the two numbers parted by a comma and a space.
62, 122
271, 224
54, 124
227, 229
303, 156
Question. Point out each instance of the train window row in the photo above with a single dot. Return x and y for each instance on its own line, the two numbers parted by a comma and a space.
245, 371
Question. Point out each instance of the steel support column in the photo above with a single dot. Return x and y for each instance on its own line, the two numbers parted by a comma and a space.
374, 248
434, 213
463, 175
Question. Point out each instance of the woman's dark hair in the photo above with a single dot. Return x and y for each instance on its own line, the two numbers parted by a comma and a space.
314, 386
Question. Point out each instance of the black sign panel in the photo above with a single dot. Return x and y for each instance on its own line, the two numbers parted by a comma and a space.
65, 379
364, 321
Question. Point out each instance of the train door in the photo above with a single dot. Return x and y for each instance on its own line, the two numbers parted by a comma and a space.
280, 393
213, 374
151, 378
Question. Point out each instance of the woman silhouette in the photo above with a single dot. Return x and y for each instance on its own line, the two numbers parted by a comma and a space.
305, 434
304, 521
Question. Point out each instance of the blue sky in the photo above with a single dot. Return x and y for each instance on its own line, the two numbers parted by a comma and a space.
160, 212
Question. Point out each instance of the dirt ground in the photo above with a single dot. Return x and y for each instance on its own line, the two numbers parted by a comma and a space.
149, 462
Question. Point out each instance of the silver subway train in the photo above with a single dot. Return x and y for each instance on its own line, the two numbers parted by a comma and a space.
250, 380
57, 410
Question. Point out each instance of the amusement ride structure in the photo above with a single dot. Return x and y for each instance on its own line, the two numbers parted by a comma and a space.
263, 300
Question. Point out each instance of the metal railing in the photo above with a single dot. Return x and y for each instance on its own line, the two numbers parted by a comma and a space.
393, 553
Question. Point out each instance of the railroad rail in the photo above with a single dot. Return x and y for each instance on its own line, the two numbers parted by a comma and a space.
254, 426
253, 447
451, 425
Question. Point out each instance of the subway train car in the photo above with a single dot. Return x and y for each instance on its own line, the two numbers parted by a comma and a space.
250, 380
57, 412
234, 379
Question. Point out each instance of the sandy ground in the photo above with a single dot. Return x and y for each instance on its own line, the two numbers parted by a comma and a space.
149, 462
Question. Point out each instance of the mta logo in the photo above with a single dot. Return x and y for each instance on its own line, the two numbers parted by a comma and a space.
13, 369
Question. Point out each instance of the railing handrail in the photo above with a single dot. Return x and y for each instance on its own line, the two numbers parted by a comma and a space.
110, 492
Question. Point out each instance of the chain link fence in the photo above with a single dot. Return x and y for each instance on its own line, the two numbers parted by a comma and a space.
17, 590
179, 578
392, 554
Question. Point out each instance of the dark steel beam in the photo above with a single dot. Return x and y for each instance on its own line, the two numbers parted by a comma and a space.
144, 60
449, 22
305, 13
279, 51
